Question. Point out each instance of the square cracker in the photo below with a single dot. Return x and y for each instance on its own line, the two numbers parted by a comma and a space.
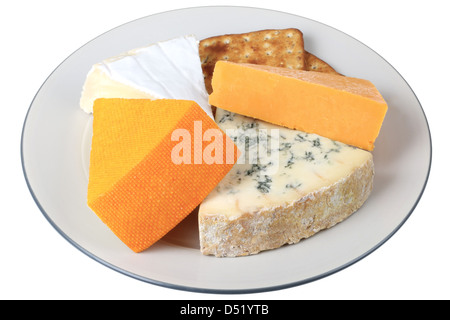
277, 48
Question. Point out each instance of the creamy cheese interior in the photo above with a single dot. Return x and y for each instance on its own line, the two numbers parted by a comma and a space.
289, 165
170, 69
100, 85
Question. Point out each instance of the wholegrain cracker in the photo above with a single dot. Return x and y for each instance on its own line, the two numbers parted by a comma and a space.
278, 48
313, 63
273, 47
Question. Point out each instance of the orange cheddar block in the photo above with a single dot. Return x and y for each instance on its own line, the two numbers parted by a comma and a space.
151, 164
344, 109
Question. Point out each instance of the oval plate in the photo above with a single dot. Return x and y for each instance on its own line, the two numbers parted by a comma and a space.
55, 156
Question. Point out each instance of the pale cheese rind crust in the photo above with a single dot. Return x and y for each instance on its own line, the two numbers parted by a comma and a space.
274, 227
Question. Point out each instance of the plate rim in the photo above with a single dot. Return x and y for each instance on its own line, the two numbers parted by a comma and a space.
218, 290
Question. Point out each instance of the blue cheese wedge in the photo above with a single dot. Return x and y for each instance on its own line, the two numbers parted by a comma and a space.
168, 69
287, 186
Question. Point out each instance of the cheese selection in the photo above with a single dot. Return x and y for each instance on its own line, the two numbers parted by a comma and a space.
134, 186
341, 108
168, 69
296, 185
285, 155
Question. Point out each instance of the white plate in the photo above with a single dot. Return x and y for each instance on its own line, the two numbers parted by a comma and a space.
56, 140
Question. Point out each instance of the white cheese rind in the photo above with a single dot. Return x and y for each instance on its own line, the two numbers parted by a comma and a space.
316, 183
165, 70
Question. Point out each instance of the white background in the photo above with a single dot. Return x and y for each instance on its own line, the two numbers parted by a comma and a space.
37, 263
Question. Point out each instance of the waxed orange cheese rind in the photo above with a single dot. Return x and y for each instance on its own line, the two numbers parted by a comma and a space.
345, 109
148, 196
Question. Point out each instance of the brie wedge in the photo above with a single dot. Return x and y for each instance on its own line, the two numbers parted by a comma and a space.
165, 70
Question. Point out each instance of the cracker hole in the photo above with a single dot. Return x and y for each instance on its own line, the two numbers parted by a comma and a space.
289, 35
226, 41
246, 39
